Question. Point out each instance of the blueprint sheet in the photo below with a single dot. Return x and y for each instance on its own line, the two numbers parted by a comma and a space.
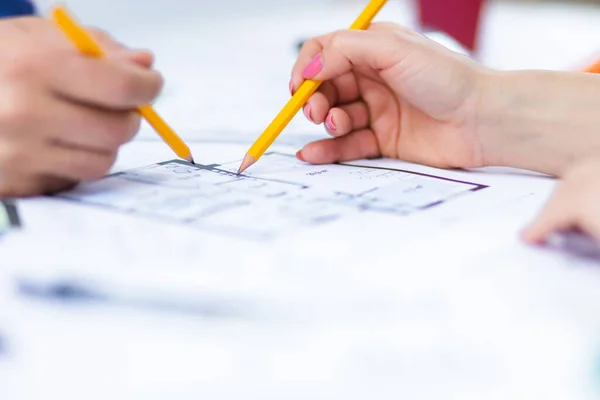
278, 194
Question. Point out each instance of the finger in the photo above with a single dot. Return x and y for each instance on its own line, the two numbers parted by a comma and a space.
347, 89
104, 82
38, 158
354, 146
556, 216
592, 228
341, 90
142, 58
586, 211
317, 107
309, 50
117, 50
24, 185
348, 118
78, 126
345, 50
75, 164
51, 184
18, 185
49, 119
313, 47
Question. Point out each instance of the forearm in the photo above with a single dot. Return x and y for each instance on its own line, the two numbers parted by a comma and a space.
539, 120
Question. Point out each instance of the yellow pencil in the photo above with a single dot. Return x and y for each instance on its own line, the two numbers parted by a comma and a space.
88, 46
299, 99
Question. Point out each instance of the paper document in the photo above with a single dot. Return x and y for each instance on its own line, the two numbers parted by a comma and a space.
279, 194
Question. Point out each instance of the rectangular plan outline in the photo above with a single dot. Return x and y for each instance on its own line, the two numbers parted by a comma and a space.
216, 167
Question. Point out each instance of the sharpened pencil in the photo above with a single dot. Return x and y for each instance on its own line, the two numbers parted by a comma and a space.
299, 99
86, 44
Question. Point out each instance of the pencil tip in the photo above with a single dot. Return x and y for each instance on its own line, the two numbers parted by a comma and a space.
190, 159
246, 163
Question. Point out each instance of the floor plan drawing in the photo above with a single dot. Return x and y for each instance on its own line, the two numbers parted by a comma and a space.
280, 193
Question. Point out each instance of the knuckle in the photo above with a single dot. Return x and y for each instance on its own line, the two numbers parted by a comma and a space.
337, 40
12, 156
21, 66
310, 44
16, 113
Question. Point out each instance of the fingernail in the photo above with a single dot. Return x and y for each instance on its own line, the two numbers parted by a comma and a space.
307, 112
329, 122
291, 88
315, 66
299, 156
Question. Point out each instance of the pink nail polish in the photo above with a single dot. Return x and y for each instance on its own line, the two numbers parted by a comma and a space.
329, 122
307, 112
315, 66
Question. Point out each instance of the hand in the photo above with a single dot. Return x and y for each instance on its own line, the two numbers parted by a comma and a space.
391, 92
575, 206
63, 116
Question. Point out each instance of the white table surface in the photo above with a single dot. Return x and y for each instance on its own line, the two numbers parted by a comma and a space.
504, 335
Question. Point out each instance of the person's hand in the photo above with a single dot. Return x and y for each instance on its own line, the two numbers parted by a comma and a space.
575, 206
63, 116
391, 92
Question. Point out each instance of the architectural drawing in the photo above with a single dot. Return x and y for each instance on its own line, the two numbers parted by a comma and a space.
279, 194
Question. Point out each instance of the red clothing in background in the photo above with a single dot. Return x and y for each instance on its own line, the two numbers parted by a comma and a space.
457, 18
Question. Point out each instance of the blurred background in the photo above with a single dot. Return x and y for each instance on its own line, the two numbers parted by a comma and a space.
223, 59
531, 28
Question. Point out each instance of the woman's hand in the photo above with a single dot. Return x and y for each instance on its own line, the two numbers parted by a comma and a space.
63, 116
391, 92
575, 206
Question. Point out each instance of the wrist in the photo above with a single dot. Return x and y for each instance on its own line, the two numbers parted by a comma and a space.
538, 120
496, 117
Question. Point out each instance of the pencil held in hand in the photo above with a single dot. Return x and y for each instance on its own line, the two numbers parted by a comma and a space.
299, 99
86, 44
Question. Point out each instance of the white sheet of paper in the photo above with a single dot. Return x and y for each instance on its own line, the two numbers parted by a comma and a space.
375, 292
503, 323
279, 194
